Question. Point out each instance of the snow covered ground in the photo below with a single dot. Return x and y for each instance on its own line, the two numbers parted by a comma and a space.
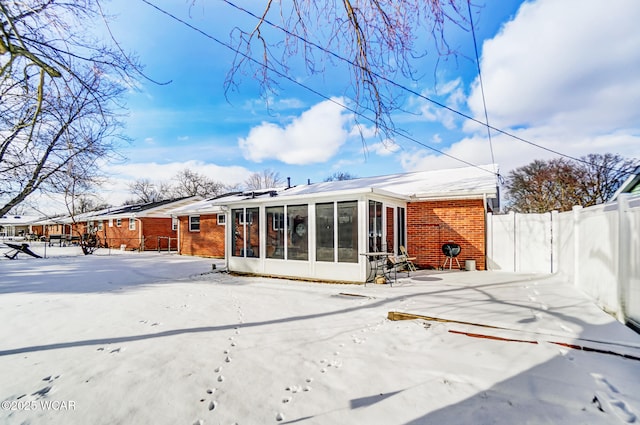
156, 338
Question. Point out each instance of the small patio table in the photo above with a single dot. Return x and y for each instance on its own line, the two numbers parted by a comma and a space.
378, 265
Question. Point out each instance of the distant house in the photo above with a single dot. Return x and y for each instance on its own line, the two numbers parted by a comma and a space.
201, 229
319, 231
146, 226
16, 225
631, 185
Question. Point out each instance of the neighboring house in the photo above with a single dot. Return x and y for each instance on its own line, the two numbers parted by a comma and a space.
16, 225
133, 227
319, 231
52, 226
631, 185
201, 229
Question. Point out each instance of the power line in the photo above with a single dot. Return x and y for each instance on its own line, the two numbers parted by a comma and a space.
385, 79
415, 93
282, 75
484, 102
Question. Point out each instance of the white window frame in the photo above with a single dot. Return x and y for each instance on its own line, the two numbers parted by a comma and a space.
279, 223
174, 223
191, 224
110, 222
132, 224
222, 219
100, 225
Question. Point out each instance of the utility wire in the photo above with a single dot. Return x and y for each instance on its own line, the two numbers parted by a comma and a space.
484, 102
312, 90
413, 92
385, 79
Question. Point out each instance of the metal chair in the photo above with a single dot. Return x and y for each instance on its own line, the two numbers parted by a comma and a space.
408, 260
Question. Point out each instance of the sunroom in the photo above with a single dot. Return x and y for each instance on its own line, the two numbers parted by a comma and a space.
322, 231
313, 236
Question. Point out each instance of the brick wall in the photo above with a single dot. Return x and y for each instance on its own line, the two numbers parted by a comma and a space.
154, 227
390, 230
116, 236
433, 223
208, 242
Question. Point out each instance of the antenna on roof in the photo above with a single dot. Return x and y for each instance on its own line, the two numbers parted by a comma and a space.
288, 182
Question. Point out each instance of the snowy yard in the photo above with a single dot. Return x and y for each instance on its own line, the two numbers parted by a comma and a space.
156, 338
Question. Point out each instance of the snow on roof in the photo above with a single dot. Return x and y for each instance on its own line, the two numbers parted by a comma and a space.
151, 209
455, 182
17, 220
466, 182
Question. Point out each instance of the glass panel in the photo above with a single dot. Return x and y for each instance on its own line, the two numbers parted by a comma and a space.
275, 232
194, 223
348, 232
253, 232
297, 231
324, 232
237, 240
375, 226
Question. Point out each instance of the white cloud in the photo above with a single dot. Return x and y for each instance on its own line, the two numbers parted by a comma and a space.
562, 75
571, 64
450, 94
385, 148
315, 136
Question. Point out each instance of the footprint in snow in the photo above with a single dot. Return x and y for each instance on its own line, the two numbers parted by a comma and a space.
212, 405
603, 382
619, 408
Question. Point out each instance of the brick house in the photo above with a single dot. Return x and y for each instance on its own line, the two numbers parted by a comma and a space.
201, 229
320, 231
147, 226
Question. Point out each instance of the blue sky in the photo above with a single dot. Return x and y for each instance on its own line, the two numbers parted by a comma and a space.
555, 73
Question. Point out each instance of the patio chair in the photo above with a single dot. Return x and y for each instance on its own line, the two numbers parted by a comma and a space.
407, 259
396, 264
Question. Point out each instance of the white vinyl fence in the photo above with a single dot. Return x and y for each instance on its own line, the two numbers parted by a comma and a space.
597, 248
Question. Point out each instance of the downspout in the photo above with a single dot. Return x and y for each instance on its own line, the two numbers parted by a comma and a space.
484, 205
140, 237
178, 230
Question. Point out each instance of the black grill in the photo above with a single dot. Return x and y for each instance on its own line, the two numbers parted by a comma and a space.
451, 251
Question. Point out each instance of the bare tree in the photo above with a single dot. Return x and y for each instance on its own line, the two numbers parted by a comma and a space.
602, 175
145, 191
559, 184
58, 93
340, 175
267, 179
191, 183
376, 40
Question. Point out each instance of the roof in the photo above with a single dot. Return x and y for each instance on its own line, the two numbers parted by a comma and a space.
17, 220
160, 209
631, 185
455, 183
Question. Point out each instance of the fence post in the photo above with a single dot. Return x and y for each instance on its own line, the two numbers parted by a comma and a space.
624, 256
554, 239
489, 241
577, 209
